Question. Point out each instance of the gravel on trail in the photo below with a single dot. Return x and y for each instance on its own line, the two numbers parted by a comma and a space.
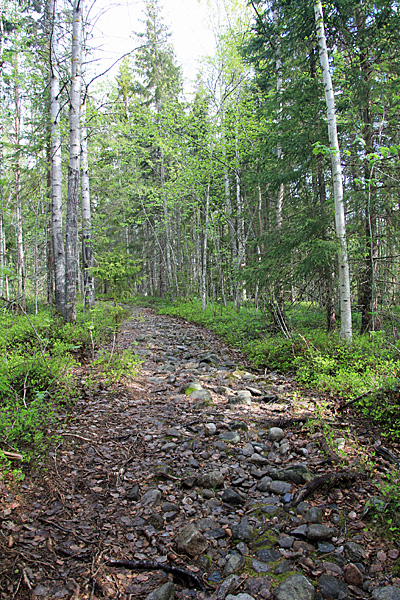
195, 465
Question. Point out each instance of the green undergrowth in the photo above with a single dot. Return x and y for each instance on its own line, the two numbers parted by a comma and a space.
39, 359
318, 359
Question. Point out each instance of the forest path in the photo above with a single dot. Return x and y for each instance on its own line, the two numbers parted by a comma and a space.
205, 482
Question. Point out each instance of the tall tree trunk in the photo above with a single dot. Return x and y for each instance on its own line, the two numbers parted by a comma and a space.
58, 252
18, 203
2, 232
87, 242
368, 296
344, 273
71, 245
203, 286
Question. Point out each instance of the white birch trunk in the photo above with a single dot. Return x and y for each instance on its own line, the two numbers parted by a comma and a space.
344, 274
2, 232
87, 243
56, 171
71, 246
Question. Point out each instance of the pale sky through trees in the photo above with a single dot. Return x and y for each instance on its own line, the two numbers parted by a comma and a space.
187, 20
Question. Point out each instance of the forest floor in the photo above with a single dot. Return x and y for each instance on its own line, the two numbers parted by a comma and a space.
220, 486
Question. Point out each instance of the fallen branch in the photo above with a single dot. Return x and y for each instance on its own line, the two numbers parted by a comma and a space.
350, 402
330, 479
12, 455
143, 565
80, 437
387, 455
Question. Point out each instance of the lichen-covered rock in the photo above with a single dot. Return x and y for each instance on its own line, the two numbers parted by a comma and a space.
295, 587
212, 479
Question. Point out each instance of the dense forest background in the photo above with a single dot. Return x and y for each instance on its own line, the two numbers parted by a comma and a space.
226, 196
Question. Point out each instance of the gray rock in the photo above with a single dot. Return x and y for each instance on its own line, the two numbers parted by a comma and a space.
297, 474
286, 542
314, 515
241, 596
242, 532
156, 380
258, 459
201, 395
151, 497
233, 400
174, 432
229, 585
243, 549
390, 592
264, 484
230, 436
191, 541
156, 520
270, 509
210, 429
231, 497
285, 566
220, 445
236, 425
234, 564
280, 487
133, 493
260, 567
276, 434
299, 531
354, 552
320, 532
169, 507
212, 479
268, 555
190, 387
165, 592
248, 449
295, 587
332, 587
284, 449
244, 393
325, 547
168, 446
302, 507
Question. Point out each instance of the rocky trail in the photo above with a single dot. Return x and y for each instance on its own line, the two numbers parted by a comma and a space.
202, 478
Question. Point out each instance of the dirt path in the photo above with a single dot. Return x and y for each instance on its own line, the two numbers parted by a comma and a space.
205, 482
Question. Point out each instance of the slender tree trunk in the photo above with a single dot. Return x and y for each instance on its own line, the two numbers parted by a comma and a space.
327, 275
344, 273
18, 203
368, 296
203, 286
87, 243
58, 253
2, 232
71, 246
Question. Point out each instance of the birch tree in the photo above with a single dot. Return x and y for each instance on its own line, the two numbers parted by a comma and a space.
344, 273
71, 246
56, 171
